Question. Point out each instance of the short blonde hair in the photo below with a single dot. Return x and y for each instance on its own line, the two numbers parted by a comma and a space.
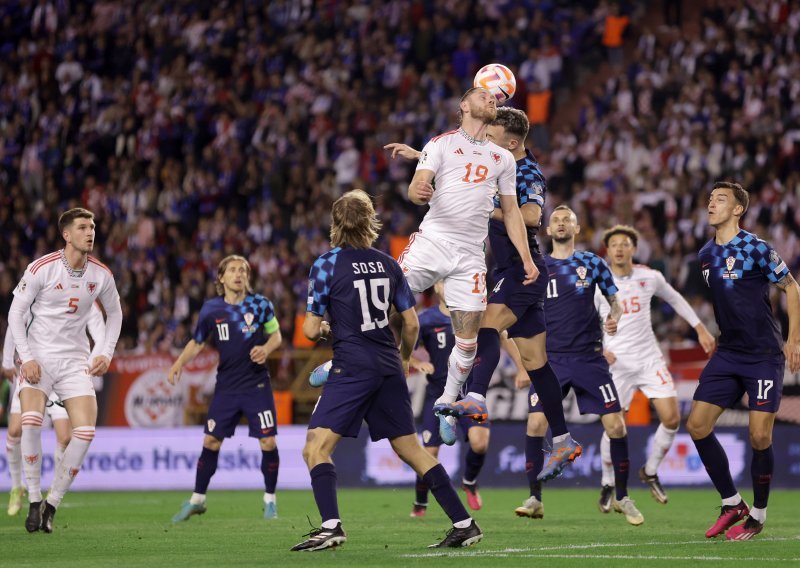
354, 222
223, 266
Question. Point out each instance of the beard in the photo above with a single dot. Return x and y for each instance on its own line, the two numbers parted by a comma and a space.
486, 114
563, 239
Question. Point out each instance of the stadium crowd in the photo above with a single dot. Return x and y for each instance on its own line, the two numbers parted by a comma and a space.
200, 129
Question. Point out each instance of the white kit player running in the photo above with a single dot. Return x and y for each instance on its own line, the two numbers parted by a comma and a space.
58, 291
55, 409
467, 171
635, 357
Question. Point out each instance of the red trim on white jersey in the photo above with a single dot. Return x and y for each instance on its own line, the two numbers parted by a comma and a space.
44, 260
93, 260
435, 138
41, 264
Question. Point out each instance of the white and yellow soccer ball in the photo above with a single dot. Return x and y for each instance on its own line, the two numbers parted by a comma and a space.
498, 80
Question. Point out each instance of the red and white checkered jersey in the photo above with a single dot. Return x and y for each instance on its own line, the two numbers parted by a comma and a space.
467, 175
58, 305
635, 341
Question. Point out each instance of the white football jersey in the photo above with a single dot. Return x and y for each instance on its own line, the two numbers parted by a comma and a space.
467, 176
635, 343
60, 306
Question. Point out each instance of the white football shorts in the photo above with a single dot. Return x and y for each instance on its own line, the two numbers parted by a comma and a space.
430, 258
66, 378
651, 376
54, 410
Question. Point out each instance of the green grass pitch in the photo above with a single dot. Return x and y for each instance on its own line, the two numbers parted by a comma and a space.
134, 529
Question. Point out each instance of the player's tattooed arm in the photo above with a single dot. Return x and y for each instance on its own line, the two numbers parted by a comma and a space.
466, 323
791, 350
614, 315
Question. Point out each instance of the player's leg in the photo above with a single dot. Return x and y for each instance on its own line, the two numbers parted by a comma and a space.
82, 410
14, 457
761, 468
431, 441
625, 384
536, 429
270, 463
61, 426
614, 426
764, 394
259, 409
549, 384
320, 443
465, 531
478, 438
32, 403
669, 421
718, 389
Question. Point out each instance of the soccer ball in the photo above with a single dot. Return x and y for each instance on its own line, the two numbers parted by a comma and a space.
498, 80
319, 376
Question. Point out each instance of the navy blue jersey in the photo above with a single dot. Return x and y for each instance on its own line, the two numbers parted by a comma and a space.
573, 324
531, 188
739, 274
234, 329
356, 288
436, 335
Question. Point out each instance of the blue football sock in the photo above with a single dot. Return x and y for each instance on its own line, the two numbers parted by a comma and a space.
206, 466
546, 384
422, 492
269, 468
439, 483
534, 462
761, 471
716, 462
323, 483
486, 360
474, 464
622, 465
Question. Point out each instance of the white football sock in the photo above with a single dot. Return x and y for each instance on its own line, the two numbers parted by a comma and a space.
71, 463
759, 514
269, 498
31, 445
197, 499
732, 501
331, 523
58, 455
458, 367
463, 524
662, 442
605, 460
14, 456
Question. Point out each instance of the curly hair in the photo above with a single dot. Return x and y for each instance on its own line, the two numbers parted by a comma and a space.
626, 230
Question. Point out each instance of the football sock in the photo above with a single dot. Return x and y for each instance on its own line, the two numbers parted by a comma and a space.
759, 514
269, 467
486, 359
323, 483
458, 367
14, 457
619, 458
546, 385
422, 492
269, 498
474, 464
662, 442
206, 467
71, 463
197, 499
733, 500
761, 471
716, 462
438, 481
31, 445
534, 462
58, 455
605, 461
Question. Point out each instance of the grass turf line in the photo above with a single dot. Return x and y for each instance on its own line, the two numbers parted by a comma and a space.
134, 529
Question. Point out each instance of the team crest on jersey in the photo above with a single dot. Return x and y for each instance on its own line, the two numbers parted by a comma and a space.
248, 326
495, 156
582, 272
211, 424
91, 286
730, 273
642, 284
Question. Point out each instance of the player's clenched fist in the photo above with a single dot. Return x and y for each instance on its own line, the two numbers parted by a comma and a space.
31, 372
611, 325
258, 354
99, 366
420, 191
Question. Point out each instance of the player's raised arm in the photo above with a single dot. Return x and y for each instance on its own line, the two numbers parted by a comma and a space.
792, 347
403, 150
682, 307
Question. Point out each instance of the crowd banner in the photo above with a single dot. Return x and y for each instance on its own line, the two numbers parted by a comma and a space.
133, 459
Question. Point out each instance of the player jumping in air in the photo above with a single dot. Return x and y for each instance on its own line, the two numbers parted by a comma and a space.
58, 291
243, 327
738, 267
55, 409
635, 358
575, 350
356, 286
467, 170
